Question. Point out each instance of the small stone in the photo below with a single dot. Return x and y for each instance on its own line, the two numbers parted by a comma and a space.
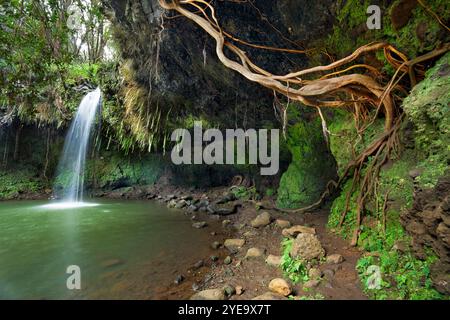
280, 286
261, 220
249, 234
211, 294
192, 208
254, 253
229, 272
199, 225
314, 273
283, 224
311, 284
187, 198
273, 261
415, 173
181, 204
328, 274
270, 296
234, 245
198, 264
227, 260
335, 259
229, 290
195, 287
214, 258
172, 204
226, 222
179, 279
213, 233
239, 290
215, 245
295, 230
400, 246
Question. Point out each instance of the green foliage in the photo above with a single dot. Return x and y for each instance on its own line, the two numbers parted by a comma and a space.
14, 182
403, 275
294, 269
244, 193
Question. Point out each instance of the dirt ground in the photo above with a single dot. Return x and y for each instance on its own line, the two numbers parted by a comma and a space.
340, 282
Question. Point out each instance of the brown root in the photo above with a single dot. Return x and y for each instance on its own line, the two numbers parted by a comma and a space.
327, 90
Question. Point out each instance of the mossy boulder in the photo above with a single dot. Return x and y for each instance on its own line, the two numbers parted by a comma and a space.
311, 168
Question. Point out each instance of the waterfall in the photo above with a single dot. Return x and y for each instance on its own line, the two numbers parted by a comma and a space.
71, 168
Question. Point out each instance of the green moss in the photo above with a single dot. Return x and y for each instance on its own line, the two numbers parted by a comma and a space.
350, 31
113, 170
338, 207
311, 168
427, 107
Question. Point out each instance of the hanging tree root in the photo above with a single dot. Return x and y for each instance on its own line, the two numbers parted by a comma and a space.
334, 90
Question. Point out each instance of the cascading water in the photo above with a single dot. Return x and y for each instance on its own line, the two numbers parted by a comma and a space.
71, 168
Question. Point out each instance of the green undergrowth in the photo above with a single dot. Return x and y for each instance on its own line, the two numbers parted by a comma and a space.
19, 180
294, 269
425, 142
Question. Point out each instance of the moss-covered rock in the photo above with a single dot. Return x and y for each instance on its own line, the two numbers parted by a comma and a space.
312, 165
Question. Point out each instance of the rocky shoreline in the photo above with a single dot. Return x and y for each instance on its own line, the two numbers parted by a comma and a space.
246, 258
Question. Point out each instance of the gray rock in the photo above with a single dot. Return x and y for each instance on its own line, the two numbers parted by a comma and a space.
328, 274
199, 225
311, 284
234, 245
415, 173
273, 261
181, 204
307, 247
254, 253
198, 264
210, 294
227, 260
261, 220
314, 273
192, 208
214, 258
226, 223
295, 230
335, 258
282, 224
215, 245
172, 204
229, 290
179, 279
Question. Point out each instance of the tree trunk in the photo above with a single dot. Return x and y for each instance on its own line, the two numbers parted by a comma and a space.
17, 142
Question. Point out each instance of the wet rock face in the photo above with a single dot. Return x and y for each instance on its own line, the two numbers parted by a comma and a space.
428, 222
177, 63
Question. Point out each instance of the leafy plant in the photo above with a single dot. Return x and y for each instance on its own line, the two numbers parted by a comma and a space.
294, 269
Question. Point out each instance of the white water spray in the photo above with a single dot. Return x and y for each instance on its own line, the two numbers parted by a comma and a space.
71, 167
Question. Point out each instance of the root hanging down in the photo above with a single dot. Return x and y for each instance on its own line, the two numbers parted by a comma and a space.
333, 87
